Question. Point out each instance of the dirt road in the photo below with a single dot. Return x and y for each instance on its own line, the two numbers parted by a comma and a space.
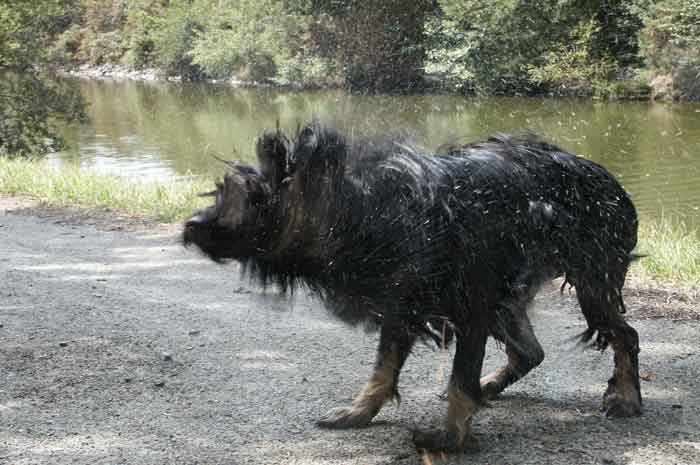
123, 348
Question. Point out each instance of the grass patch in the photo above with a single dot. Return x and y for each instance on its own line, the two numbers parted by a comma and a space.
672, 249
165, 201
672, 252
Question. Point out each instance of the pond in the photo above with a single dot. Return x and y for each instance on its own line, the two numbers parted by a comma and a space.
169, 130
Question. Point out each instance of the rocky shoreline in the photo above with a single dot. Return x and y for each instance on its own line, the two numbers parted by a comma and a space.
109, 71
660, 89
112, 71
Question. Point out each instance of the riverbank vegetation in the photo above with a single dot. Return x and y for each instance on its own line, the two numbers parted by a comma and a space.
29, 102
164, 201
672, 253
607, 48
600, 48
671, 249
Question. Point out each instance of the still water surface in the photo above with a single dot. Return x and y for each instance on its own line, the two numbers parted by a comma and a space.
168, 130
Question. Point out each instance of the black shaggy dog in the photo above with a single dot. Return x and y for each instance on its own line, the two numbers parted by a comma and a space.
452, 245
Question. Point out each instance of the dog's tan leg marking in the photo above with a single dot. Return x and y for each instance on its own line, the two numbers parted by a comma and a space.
493, 383
457, 435
380, 389
622, 398
460, 410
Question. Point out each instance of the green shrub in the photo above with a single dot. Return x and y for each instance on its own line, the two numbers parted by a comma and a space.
141, 22
247, 40
103, 47
571, 68
174, 36
29, 102
671, 44
514, 47
64, 51
637, 88
309, 71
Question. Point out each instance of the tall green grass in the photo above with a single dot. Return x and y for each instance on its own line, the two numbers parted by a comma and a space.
672, 252
672, 249
166, 201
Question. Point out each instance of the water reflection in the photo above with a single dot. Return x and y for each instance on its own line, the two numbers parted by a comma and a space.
165, 130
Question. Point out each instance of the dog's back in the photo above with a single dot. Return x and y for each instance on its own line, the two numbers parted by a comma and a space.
577, 203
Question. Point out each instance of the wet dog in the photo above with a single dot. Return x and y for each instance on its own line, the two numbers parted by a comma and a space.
433, 247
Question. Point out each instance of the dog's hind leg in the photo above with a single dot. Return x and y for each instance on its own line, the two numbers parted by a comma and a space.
602, 306
463, 396
395, 344
513, 328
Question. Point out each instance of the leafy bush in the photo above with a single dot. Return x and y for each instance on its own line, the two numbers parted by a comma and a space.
248, 39
492, 44
141, 23
448, 57
309, 71
174, 36
570, 67
671, 42
102, 47
381, 44
28, 104
65, 50
28, 101
512, 47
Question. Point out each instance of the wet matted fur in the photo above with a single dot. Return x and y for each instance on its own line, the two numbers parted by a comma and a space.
443, 246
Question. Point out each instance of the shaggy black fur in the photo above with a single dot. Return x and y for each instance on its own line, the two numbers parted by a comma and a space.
455, 243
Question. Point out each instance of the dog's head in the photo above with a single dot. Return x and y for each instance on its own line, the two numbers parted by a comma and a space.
235, 226
253, 206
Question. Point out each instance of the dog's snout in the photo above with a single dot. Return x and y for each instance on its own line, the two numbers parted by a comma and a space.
192, 229
193, 222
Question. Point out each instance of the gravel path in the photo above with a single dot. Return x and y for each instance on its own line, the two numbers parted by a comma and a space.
123, 348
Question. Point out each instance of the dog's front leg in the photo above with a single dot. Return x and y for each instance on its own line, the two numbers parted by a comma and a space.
395, 344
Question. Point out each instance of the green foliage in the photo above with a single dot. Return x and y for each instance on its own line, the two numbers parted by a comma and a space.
381, 44
64, 51
673, 252
448, 58
28, 104
247, 41
168, 201
102, 47
266, 41
494, 43
498, 47
104, 15
616, 35
24, 27
310, 71
571, 66
28, 101
174, 37
671, 41
139, 32
511, 47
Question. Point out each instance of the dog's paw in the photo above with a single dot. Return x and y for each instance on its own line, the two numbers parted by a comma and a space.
443, 441
346, 417
619, 407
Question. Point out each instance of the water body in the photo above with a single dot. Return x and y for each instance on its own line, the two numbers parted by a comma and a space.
169, 130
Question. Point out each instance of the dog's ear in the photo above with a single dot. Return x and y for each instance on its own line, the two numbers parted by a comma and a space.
274, 156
